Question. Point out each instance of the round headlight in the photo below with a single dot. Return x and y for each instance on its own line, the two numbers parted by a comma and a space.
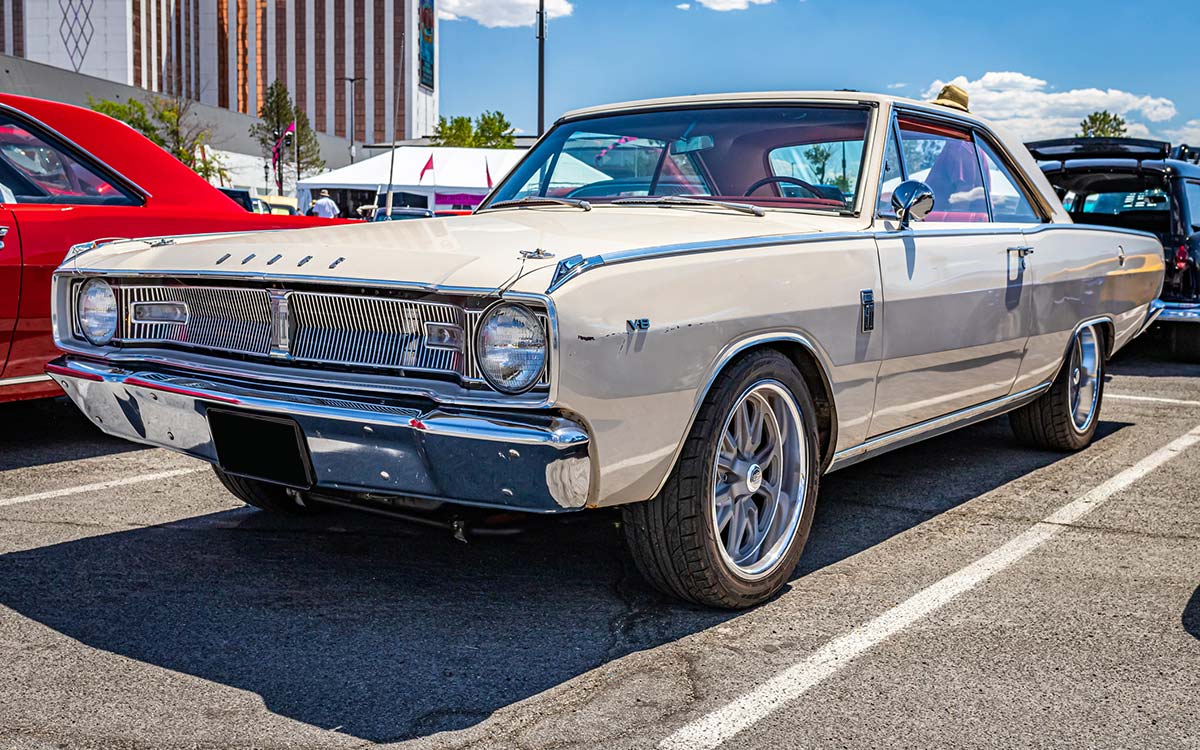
511, 347
97, 312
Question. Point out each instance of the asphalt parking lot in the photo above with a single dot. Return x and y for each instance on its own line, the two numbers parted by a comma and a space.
946, 599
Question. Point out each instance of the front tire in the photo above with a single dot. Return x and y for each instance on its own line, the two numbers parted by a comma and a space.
1064, 418
728, 527
272, 498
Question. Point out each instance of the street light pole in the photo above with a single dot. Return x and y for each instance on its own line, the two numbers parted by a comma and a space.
352, 80
541, 35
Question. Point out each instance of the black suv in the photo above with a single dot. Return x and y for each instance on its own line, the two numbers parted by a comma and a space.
1145, 185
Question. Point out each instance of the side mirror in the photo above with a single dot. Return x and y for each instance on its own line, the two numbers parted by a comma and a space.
912, 200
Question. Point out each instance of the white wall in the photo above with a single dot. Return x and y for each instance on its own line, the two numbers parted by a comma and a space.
106, 55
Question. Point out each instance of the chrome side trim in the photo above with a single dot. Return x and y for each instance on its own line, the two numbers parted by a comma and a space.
724, 359
574, 266
933, 427
570, 268
24, 380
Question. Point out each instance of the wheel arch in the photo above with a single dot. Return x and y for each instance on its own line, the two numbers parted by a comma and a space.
805, 355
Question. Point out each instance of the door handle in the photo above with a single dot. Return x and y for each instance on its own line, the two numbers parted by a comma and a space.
1022, 250
3, 234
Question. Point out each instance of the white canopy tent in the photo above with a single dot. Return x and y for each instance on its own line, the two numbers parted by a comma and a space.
447, 177
443, 175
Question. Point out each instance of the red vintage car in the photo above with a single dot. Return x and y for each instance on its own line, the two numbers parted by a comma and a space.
70, 175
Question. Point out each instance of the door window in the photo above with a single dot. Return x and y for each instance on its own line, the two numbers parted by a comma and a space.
944, 158
34, 169
1009, 202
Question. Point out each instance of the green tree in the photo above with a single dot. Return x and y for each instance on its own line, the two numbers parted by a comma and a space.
170, 123
489, 130
818, 157
493, 130
276, 114
456, 131
1102, 124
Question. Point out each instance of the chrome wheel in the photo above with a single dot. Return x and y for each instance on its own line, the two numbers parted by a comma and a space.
759, 479
1083, 392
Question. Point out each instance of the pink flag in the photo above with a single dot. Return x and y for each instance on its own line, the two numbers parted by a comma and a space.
428, 168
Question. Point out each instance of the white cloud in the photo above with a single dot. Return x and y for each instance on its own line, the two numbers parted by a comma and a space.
501, 13
684, 6
732, 4
1031, 109
1188, 133
897, 85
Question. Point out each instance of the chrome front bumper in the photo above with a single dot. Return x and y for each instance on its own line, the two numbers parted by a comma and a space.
521, 461
1176, 312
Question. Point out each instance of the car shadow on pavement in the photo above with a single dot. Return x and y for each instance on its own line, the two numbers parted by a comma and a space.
33, 433
391, 632
1149, 356
1191, 615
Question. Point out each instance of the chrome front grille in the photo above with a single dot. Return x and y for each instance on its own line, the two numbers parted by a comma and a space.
228, 319
348, 330
370, 331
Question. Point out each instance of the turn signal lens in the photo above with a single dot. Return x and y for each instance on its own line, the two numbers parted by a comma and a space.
1181, 258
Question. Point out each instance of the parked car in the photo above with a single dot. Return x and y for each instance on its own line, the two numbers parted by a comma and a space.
240, 196
400, 213
699, 360
69, 175
1145, 185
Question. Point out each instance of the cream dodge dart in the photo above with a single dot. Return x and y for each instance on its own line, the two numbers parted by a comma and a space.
692, 308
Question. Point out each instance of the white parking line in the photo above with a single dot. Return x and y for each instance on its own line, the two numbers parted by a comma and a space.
1151, 399
83, 489
724, 723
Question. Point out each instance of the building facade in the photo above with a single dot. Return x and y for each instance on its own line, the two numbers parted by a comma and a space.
367, 65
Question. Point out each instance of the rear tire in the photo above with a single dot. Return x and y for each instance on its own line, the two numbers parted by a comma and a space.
729, 526
272, 498
1064, 418
1184, 339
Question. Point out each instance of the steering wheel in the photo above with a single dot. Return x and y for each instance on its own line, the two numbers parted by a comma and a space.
783, 179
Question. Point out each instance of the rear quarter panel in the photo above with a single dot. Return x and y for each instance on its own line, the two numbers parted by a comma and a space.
1079, 276
638, 390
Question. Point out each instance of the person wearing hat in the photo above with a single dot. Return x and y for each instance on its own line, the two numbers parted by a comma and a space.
953, 97
325, 207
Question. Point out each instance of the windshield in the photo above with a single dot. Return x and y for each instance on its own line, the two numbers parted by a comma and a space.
799, 157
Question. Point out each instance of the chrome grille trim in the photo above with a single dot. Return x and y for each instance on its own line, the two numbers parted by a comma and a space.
351, 330
355, 330
229, 319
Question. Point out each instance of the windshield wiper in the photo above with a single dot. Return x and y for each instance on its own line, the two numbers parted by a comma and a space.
684, 200
542, 200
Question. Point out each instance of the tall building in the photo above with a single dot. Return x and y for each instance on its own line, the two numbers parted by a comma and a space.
340, 59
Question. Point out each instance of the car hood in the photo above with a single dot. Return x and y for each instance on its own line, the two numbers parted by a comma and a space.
482, 251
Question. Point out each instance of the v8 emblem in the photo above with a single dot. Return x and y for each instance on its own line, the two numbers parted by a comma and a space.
641, 324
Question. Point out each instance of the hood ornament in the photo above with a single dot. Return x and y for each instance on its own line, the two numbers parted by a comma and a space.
538, 254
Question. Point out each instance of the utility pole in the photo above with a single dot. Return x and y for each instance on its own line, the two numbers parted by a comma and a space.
541, 35
352, 80
395, 132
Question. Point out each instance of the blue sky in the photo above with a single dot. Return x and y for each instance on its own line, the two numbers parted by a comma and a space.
1034, 67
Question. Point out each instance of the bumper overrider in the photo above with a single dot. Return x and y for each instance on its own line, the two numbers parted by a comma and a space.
528, 461
1176, 312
